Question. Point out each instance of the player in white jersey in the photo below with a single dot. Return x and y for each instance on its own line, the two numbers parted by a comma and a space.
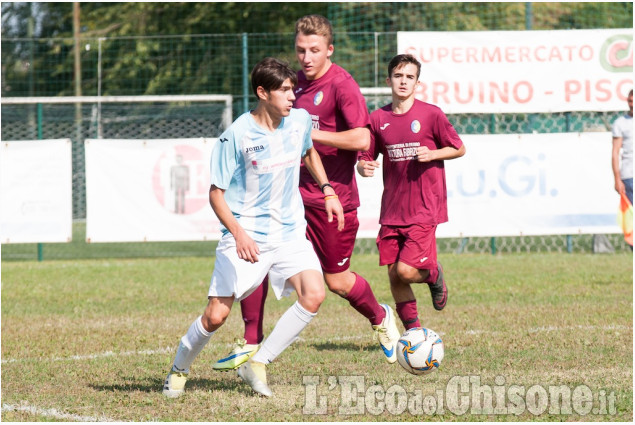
622, 153
254, 192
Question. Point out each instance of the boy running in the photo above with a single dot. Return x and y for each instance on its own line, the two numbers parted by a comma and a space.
254, 192
340, 126
414, 138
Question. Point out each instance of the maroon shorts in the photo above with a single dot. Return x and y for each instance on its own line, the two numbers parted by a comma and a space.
333, 247
414, 245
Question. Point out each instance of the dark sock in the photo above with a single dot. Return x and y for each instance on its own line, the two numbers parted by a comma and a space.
432, 276
252, 309
407, 312
362, 299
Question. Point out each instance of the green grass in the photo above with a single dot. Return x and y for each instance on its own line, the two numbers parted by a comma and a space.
95, 338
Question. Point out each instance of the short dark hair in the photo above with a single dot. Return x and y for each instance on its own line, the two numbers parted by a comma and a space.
270, 73
401, 60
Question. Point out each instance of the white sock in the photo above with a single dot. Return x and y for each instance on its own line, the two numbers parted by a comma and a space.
289, 326
191, 345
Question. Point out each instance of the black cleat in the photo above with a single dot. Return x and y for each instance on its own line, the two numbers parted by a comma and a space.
439, 291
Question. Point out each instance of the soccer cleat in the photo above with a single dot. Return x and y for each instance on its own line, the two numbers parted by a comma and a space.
387, 334
174, 385
239, 355
438, 290
255, 375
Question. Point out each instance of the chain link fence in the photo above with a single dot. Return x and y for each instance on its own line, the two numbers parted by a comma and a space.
220, 64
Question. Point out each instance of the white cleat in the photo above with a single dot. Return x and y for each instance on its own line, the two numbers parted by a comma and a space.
387, 334
174, 385
255, 375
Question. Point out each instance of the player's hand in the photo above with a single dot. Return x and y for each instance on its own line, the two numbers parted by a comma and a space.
619, 186
334, 207
367, 168
424, 154
246, 248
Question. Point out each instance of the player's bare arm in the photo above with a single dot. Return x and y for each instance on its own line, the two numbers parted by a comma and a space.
245, 246
356, 139
367, 168
615, 164
313, 163
424, 154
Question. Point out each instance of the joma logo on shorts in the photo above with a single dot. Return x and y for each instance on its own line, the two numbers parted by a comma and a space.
254, 149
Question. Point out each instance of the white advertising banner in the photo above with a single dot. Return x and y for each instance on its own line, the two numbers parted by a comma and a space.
149, 190
36, 196
523, 71
505, 185
529, 184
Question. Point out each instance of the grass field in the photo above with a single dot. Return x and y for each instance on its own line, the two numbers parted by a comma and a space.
93, 340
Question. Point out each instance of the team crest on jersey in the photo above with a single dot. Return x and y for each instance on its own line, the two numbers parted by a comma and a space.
318, 98
415, 126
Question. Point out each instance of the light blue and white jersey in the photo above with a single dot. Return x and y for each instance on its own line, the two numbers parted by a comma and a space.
260, 172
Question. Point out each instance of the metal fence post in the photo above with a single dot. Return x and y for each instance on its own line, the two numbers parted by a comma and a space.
40, 136
99, 78
528, 15
245, 74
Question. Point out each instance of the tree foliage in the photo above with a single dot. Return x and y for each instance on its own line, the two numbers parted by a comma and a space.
182, 47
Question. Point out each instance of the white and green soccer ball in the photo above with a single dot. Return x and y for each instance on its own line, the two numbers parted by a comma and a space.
420, 351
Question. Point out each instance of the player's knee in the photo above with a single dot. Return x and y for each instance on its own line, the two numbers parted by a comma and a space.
338, 289
213, 319
340, 283
312, 298
410, 274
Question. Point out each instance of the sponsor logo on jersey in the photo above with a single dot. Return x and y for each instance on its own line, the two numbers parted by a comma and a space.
415, 126
223, 140
402, 151
341, 263
258, 148
319, 96
383, 127
315, 119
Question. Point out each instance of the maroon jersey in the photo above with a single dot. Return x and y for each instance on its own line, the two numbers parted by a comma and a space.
335, 103
414, 192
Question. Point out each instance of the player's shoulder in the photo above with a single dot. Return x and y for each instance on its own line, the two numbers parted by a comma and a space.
299, 115
624, 119
384, 110
429, 110
339, 72
238, 127
299, 118
420, 104
340, 77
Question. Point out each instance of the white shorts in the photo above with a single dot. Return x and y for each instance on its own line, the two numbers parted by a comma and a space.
236, 277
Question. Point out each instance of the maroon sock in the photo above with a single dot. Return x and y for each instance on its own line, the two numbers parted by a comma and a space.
432, 276
407, 312
252, 309
362, 299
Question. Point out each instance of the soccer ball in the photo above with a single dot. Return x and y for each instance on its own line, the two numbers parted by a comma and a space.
420, 351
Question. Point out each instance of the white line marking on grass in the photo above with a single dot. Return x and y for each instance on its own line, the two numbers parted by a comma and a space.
578, 327
54, 413
95, 356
